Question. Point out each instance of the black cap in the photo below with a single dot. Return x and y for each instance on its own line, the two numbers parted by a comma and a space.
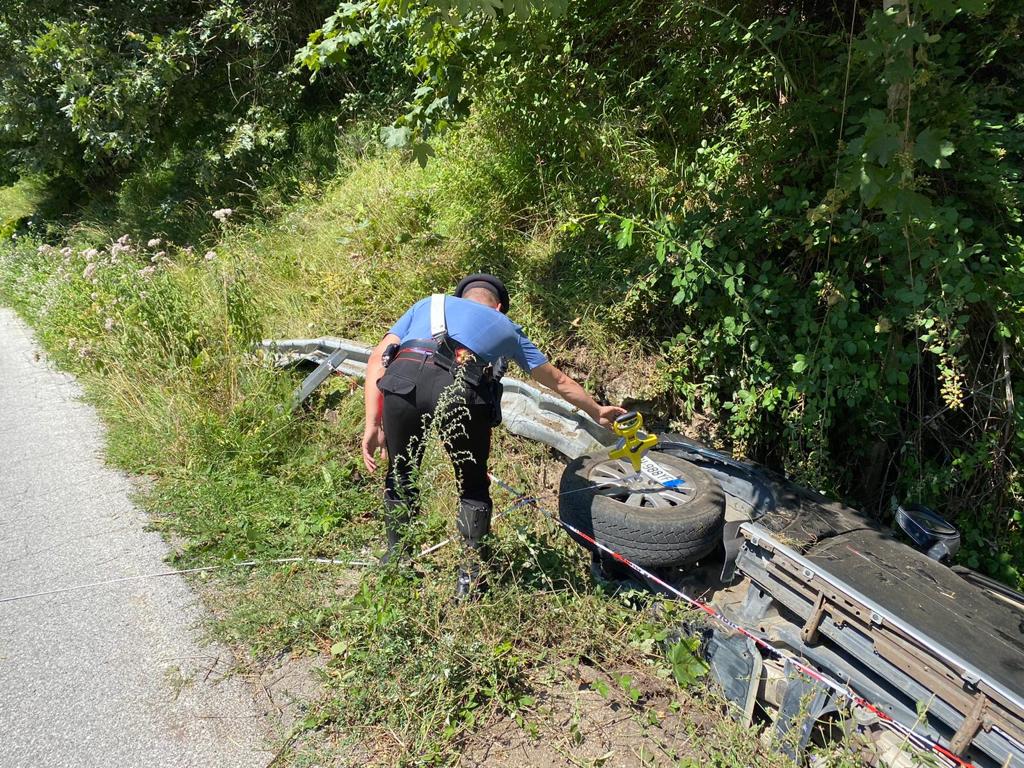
491, 281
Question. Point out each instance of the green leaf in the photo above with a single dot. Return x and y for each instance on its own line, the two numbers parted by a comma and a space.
625, 238
687, 665
881, 138
422, 152
907, 202
395, 136
872, 181
974, 7
932, 149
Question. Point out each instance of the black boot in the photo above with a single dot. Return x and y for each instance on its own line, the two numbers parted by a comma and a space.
394, 543
474, 523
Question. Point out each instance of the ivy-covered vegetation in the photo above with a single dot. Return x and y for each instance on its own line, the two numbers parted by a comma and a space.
152, 112
793, 228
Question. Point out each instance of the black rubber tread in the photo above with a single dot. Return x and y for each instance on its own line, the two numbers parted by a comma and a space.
652, 537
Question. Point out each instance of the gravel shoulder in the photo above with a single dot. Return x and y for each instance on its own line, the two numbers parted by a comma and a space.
113, 675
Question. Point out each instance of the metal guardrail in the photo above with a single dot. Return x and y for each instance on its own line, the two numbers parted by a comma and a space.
527, 410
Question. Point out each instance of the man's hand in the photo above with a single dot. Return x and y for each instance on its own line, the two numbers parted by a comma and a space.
606, 415
373, 440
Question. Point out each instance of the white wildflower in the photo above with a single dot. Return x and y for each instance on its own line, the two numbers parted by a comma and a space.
90, 254
154, 243
44, 248
93, 296
89, 271
109, 324
210, 255
147, 272
222, 214
124, 240
66, 252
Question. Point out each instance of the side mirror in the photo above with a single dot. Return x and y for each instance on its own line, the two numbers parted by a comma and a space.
929, 531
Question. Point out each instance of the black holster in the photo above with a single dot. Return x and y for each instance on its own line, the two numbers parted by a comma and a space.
389, 354
497, 390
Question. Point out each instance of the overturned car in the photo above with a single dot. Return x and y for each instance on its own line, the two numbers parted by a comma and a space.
825, 621
937, 651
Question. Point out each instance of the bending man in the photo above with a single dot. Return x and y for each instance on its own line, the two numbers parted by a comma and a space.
438, 341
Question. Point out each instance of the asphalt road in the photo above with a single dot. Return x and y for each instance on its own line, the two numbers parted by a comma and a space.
114, 676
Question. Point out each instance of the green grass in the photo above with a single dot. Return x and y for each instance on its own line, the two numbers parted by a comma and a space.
17, 202
161, 336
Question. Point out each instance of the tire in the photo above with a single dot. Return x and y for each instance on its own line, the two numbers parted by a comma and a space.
647, 523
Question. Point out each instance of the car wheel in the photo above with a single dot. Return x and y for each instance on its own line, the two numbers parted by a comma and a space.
641, 519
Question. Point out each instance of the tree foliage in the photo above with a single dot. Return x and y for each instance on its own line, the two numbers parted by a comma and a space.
172, 103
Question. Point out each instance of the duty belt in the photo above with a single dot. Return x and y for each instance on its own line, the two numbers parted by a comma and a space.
416, 349
447, 356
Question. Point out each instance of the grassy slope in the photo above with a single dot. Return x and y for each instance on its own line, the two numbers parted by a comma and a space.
159, 334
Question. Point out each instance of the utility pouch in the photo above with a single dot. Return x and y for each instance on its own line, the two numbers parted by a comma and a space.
462, 363
389, 354
473, 375
497, 390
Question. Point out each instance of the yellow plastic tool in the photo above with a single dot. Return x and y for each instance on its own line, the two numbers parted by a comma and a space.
634, 442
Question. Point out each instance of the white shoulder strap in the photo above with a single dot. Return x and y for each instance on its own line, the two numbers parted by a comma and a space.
438, 324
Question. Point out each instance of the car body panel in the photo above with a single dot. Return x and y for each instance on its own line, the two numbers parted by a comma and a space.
949, 610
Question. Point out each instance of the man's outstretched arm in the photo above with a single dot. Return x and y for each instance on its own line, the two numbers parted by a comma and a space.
373, 400
554, 379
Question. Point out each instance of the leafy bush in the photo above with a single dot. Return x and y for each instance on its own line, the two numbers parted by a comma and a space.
167, 110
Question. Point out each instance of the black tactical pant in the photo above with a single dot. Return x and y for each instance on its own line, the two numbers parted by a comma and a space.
418, 393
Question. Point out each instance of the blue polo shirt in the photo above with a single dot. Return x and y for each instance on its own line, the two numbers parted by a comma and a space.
480, 328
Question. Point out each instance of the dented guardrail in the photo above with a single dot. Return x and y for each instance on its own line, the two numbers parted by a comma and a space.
527, 410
